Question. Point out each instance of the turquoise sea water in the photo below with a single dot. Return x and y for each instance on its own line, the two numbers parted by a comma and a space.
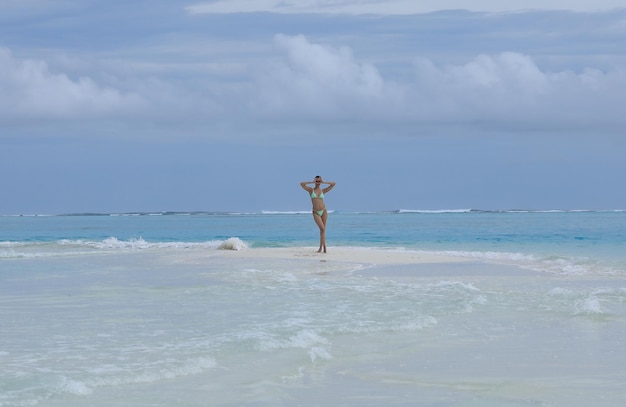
598, 237
158, 310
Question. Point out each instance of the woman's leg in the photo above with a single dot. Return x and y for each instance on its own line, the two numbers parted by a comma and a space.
323, 235
321, 224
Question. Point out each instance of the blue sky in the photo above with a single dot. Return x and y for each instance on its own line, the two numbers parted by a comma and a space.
227, 105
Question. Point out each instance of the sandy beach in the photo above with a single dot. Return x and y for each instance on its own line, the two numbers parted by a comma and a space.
384, 262
365, 256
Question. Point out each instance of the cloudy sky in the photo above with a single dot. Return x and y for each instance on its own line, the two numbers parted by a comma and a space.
227, 105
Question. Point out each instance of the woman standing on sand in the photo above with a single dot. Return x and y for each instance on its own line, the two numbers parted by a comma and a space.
320, 214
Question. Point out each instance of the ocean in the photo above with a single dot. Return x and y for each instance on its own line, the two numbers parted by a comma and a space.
522, 308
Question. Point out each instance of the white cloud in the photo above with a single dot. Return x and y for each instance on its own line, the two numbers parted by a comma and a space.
316, 83
29, 90
511, 87
508, 89
393, 7
504, 84
319, 81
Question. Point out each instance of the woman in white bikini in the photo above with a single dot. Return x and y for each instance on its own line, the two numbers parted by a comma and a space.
320, 214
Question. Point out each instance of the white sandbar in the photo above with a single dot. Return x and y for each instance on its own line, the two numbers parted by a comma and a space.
363, 255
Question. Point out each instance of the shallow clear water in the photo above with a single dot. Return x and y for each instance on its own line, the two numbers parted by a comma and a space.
147, 311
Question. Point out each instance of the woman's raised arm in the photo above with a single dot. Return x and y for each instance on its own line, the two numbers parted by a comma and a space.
330, 186
304, 185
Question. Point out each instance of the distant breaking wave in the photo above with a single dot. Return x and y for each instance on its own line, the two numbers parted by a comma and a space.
307, 212
285, 212
69, 247
434, 210
426, 211
232, 243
